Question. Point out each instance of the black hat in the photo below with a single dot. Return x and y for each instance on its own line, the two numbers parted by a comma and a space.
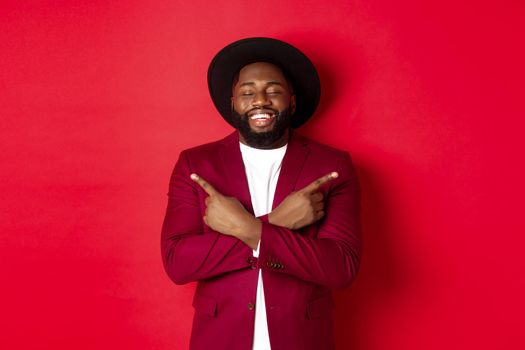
295, 65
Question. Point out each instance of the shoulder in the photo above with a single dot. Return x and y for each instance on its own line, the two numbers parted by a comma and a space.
209, 149
321, 159
321, 150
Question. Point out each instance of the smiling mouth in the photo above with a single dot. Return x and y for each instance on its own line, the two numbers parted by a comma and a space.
261, 120
261, 116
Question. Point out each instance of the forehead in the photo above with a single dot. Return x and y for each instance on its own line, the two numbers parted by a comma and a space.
261, 71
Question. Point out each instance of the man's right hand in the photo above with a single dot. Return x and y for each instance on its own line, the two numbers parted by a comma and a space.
303, 207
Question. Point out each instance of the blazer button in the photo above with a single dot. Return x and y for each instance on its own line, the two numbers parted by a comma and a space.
251, 306
253, 262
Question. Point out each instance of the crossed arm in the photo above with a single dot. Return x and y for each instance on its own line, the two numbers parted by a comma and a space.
330, 258
227, 215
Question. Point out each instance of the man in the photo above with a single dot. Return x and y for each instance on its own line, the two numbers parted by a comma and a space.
265, 220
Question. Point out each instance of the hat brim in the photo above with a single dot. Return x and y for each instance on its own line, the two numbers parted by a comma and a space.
294, 63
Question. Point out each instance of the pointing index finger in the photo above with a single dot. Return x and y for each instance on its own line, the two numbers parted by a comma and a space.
209, 189
314, 186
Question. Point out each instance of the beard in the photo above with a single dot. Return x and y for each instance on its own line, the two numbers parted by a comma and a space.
267, 139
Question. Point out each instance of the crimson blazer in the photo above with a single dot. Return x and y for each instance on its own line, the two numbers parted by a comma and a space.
299, 267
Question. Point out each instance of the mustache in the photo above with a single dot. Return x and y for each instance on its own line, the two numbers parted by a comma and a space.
261, 110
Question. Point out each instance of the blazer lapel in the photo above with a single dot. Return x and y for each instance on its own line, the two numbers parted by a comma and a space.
293, 162
233, 169
236, 182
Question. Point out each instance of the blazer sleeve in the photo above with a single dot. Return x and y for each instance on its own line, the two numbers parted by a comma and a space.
190, 253
330, 258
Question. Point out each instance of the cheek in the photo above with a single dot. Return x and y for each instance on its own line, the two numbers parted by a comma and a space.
282, 104
240, 105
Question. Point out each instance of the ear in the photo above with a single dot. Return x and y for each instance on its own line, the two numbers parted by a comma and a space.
292, 104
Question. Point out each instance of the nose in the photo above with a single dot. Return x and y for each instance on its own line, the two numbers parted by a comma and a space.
260, 99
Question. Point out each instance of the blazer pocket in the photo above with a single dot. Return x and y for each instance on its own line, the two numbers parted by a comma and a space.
205, 305
319, 307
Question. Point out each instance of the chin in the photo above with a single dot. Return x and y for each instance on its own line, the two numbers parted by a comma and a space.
265, 137
262, 130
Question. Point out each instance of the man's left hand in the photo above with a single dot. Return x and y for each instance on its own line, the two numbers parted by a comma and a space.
227, 215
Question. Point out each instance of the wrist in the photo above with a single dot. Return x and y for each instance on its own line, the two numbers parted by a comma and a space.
273, 218
250, 233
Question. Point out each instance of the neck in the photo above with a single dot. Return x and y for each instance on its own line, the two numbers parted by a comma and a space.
283, 140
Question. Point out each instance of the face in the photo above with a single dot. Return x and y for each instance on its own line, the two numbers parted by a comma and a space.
263, 103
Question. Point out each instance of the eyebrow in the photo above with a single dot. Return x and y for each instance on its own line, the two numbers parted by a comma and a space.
271, 82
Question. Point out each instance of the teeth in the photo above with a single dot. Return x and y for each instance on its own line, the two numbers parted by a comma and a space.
260, 116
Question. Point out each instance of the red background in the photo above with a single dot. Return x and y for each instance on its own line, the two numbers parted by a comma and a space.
97, 99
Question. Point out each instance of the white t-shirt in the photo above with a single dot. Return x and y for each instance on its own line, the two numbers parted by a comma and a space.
262, 171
